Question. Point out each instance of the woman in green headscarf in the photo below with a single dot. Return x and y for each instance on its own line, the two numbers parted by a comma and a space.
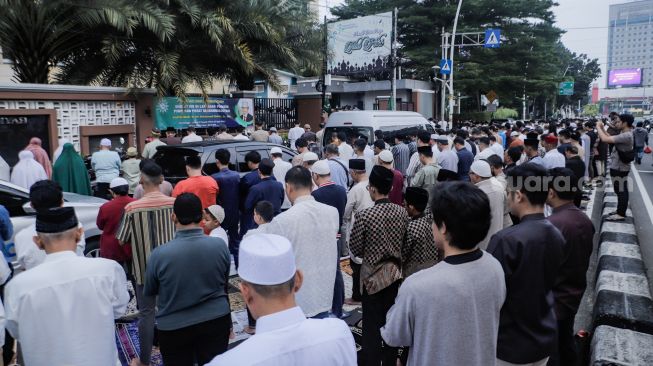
70, 172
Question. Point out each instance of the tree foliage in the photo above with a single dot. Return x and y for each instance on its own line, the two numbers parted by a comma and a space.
166, 44
531, 59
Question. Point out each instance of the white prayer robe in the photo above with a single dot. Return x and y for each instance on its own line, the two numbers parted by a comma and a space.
358, 199
312, 228
288, 338
62, 312
554, 159
28, 255
27, 171
497, 196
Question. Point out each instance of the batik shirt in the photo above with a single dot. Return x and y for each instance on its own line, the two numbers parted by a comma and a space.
377, 237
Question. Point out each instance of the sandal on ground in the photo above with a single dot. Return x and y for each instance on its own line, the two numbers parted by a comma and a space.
615, 218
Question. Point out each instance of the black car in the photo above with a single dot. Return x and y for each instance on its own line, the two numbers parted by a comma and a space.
171, 158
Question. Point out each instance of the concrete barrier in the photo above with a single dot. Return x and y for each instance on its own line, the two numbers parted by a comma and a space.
623, 308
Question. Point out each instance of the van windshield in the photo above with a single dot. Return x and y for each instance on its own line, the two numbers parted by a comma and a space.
390, 132
351, 132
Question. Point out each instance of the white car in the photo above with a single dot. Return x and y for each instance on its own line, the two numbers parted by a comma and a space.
16, 201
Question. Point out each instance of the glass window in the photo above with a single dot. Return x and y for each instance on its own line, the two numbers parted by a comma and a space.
240, 157
173, 163
210, 168
351, 133
13, 201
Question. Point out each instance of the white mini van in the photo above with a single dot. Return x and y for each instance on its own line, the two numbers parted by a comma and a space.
365, 123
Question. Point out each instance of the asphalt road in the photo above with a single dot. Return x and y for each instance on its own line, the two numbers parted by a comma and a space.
641, 204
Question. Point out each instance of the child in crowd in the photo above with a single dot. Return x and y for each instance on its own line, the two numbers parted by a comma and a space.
213, 218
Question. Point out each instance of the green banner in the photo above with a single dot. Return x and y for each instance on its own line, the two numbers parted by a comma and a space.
196, 112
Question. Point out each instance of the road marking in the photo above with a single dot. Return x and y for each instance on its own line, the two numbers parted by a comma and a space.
646, 171
645, 197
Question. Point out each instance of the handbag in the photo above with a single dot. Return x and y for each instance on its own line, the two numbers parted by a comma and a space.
647, 150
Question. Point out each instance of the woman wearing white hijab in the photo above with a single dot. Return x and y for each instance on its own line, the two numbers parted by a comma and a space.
27, 171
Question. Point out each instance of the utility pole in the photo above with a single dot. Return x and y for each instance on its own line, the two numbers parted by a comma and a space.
393, 100
445, 46
324, 67
453, 42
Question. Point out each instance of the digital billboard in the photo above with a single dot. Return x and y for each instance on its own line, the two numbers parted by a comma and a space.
625, 77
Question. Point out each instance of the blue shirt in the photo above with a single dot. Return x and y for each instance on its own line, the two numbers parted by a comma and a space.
6, 232
106, 165
333, 195
465, 160
339, 172
189, 274
228, 184
503, 139
248, 181
268, 189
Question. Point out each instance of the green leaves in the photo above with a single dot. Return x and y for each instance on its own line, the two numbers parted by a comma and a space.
170, 45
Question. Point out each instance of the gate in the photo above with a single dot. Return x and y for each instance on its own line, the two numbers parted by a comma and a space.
276, 112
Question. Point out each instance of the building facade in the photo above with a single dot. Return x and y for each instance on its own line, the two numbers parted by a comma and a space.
630, 39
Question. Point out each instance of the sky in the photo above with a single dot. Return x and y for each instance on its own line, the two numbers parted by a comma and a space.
586, 23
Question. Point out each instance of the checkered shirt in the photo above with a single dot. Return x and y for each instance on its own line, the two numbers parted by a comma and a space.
419, 250
377, 236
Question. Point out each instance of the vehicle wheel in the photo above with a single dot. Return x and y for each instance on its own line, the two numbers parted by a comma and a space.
92, 249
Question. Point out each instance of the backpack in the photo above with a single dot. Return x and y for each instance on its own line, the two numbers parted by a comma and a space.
627, 157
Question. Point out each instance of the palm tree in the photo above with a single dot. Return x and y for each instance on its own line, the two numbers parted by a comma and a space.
39, 35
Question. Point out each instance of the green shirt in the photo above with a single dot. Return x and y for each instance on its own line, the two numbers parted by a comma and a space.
426, 177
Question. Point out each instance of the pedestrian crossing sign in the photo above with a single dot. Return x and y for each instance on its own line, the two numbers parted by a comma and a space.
445, 66
492, 38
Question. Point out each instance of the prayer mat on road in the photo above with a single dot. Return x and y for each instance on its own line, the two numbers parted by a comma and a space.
128, 344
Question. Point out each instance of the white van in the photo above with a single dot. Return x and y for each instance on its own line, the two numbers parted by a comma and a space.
365, 123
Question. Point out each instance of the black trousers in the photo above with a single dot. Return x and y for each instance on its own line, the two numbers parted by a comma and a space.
196, 344
356, 283
620, 185
375, 309
102, 190
566, 353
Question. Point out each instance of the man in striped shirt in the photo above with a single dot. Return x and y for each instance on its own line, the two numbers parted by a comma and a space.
401, 154
146, 224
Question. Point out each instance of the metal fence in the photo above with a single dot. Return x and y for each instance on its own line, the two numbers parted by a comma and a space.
401, 106
278, 112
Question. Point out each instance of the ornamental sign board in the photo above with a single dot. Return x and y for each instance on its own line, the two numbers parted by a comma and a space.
360, 45
491, 96
491, 107
566, 88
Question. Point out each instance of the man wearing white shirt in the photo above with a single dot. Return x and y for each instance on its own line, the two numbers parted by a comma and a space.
486, 150
279, 172
358, 199
312, 227
495, 146
295, 133
62, 312
43, 194
553, 158
269, 281
448, 159
191, 136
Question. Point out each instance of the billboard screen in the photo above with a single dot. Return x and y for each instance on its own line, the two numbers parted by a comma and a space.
625, 77
359, 46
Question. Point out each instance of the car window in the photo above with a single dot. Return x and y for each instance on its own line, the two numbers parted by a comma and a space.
173, 163
240, 156
209, 167
13, 201
389, 132
430, 129
286, 156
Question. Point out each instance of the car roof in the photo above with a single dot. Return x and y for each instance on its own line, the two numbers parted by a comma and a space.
200, 146
13, 186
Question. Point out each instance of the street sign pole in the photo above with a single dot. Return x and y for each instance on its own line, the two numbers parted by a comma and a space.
393, 100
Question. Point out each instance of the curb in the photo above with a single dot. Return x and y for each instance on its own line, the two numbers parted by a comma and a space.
623, 308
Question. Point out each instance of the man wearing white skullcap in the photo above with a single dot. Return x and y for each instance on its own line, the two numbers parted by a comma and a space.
106, 164
269, 280
480, 174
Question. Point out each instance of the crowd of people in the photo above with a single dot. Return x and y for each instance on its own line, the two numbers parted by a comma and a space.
467, 247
